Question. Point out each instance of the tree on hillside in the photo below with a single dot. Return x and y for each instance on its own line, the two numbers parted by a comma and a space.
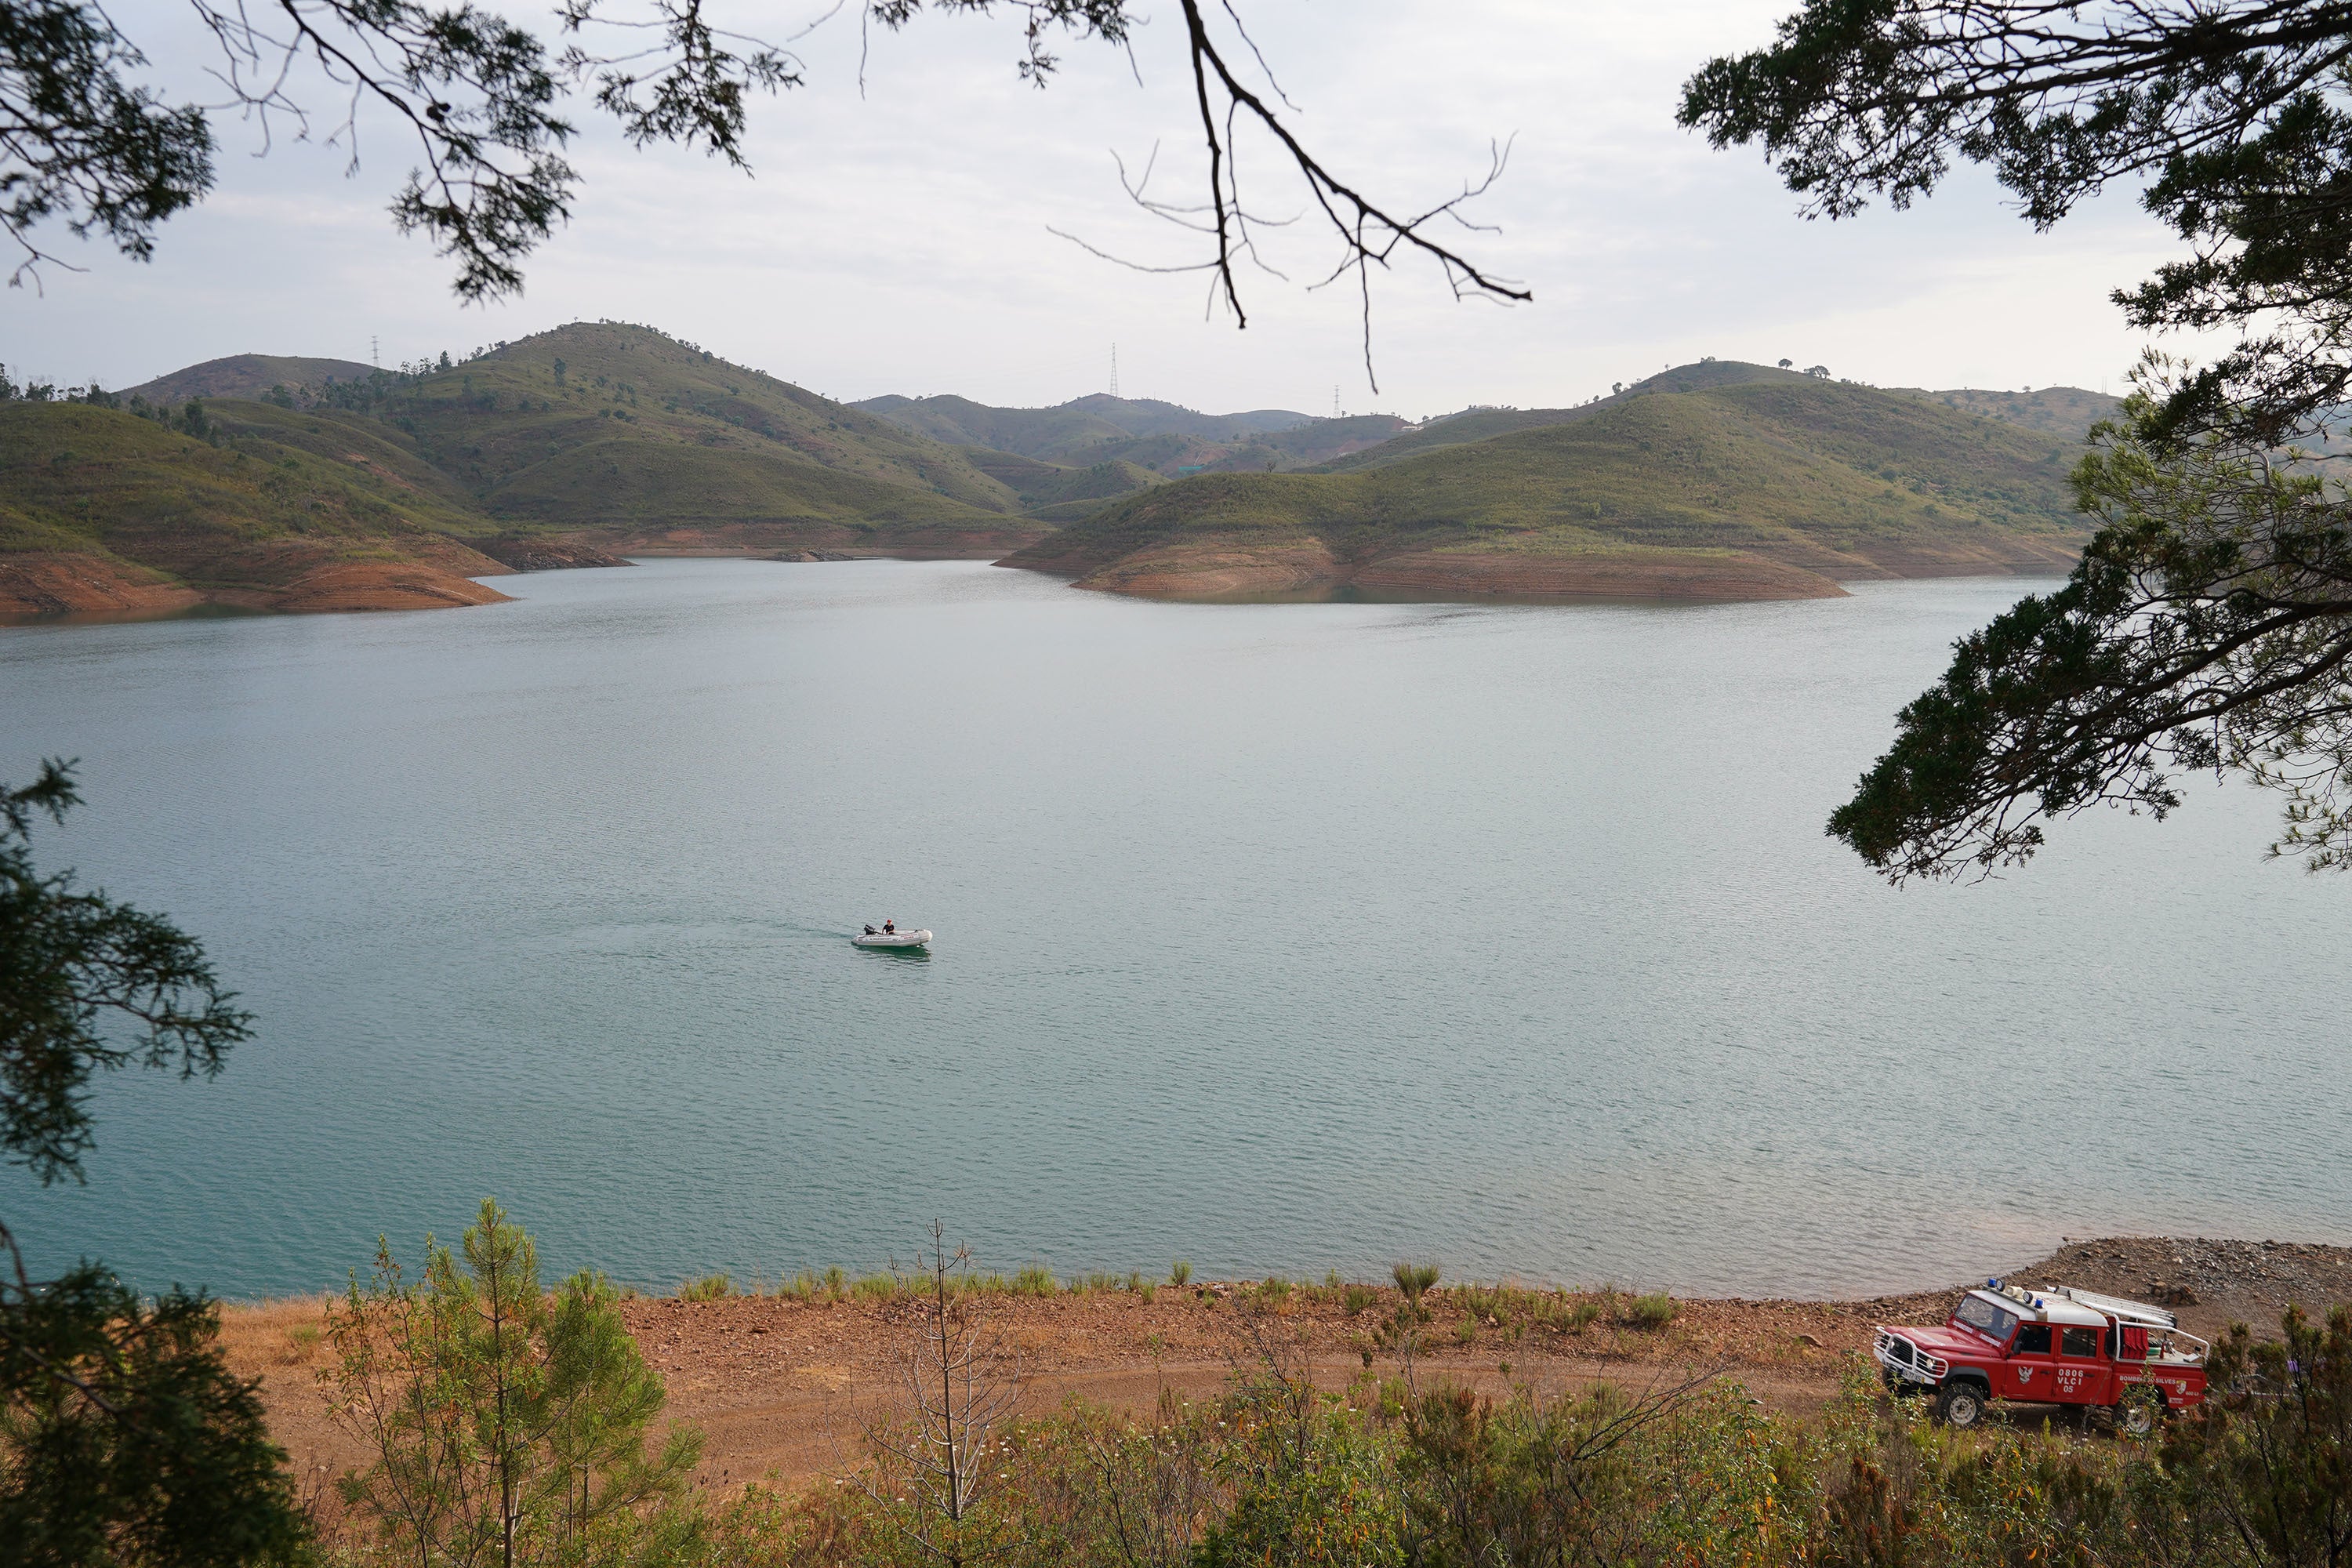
2209, 624
123, 1437
504, 1425
2266, 1464
488, 103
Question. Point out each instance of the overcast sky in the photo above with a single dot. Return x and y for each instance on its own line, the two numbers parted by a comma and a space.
898, 241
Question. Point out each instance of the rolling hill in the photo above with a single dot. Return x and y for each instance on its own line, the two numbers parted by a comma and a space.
605, 426
1483, 424
1163, 438
2066, 411
1059, 434
249, 375
1714, 481
563, 448
106, 511
1743, 486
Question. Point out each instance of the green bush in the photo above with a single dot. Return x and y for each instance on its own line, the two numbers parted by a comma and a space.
493, 1413
1416, 1279
709, 1288
1311, 1486
1180, 1273
1651, 1311
1354, 1298
1035, 1280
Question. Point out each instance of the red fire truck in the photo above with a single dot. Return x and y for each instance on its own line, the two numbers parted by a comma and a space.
2054, 1345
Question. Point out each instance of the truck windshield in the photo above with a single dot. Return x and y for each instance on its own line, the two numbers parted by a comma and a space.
1985, 1318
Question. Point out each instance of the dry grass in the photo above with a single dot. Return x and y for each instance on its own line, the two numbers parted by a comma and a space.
281, 1333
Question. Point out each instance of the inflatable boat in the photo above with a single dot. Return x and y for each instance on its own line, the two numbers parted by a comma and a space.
894, 938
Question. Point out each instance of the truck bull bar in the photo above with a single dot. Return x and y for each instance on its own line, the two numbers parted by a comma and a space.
1906, 1361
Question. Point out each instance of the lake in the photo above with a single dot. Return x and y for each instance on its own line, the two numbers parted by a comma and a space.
1277, 938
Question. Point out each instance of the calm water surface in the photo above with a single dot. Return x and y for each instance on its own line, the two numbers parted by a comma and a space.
1276, 937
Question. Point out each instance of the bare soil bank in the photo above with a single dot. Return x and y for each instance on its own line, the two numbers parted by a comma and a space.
1215, 568
778, 1384
1224, 571
290, 577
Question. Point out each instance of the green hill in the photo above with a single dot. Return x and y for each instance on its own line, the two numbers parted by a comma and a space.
516, 423
1750, 486
2067, 412
1164, 438
562, 448
1039, 434
104, 510
1718, 480
1483, 424
249, 375
1074, 433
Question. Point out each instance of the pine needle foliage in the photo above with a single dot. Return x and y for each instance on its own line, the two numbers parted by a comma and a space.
124, 1439
506, 1427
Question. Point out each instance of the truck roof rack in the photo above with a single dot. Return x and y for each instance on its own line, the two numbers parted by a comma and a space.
2117, 1307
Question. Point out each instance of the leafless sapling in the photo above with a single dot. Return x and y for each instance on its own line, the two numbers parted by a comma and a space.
959, 1384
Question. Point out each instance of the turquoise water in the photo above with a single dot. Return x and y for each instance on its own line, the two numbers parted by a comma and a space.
1275, 937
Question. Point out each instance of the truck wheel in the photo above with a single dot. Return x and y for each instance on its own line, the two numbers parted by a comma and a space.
1960, 1406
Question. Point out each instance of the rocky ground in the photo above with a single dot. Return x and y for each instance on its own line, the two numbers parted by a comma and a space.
781, 1384
2209, 1284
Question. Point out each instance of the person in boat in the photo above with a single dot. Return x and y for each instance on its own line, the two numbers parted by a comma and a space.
889, 928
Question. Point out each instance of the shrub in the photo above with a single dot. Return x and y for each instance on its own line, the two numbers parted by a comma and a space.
1651, 1311
709, 1288
876, 1287
1315, 1487
836, 1283
494, 1411
1416, 1279
2268, 1458
1354, 1298
1035, 1280
1180, 1273
1274, 1290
